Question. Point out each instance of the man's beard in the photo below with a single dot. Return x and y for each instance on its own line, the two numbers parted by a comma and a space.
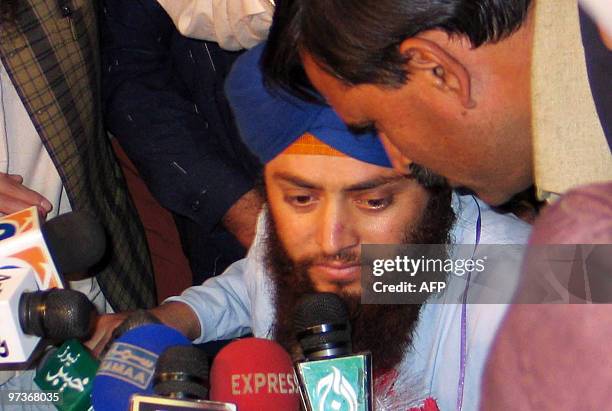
385, 330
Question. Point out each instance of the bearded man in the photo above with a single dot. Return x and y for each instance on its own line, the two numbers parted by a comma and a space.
327, 193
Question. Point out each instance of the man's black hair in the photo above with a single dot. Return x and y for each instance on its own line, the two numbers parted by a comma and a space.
358, 41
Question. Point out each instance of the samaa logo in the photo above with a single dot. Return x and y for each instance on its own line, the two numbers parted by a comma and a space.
129, 363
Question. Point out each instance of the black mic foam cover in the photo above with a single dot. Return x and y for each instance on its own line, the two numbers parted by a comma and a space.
321, 309
75, 240
182, 372
136, 319
58, 314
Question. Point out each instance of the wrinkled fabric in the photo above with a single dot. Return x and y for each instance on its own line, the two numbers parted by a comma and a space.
234, 24
556, 357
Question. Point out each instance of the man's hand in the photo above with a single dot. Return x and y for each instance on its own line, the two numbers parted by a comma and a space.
173, 314
103, 331
241, 219
14, 196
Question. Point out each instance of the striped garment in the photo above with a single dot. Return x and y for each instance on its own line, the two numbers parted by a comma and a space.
53, 60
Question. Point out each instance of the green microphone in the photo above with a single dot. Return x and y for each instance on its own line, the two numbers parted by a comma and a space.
69, 371
331, 377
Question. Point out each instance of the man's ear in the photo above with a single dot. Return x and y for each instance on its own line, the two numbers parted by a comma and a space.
444, 70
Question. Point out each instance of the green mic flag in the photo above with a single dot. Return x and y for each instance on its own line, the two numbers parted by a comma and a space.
339, 383
70, 370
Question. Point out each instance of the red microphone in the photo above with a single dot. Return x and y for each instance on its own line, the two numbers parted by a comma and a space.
255, 374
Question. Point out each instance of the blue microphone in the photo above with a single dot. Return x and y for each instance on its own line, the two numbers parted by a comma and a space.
129, 365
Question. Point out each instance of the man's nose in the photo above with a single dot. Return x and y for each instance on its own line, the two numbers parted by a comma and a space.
335, 229
400, 162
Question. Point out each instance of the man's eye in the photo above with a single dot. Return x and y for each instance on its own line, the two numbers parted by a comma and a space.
375, 203
300, 201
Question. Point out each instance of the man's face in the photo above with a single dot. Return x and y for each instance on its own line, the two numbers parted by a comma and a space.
486, 149
325, 207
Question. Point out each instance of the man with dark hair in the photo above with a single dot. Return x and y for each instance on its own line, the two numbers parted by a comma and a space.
495, 96
327, 194
447, 85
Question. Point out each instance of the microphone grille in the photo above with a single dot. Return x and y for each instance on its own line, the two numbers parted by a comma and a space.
68, 314
317, 309
182, 371
321, 309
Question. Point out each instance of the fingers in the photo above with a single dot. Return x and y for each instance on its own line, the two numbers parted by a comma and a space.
103, 332
14, 196
16, 177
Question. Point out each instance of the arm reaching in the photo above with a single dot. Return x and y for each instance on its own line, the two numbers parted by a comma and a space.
173, 314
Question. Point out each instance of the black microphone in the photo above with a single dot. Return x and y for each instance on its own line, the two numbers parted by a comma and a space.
331, 376
182, 373
321, 324
76, 241
134, 320
57, 314
180, 383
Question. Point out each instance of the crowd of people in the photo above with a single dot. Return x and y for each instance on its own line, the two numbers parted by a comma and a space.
283, 136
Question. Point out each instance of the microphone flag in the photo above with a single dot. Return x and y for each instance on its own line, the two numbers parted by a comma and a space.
70, 370
340, 383
21, 241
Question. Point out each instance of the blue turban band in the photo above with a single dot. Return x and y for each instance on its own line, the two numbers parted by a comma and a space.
269, 122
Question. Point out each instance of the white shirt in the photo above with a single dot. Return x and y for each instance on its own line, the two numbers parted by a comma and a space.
22, 151
234, 24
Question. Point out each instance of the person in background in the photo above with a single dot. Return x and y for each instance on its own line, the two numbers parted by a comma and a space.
450, 85
233, 24
164, 102
54, 153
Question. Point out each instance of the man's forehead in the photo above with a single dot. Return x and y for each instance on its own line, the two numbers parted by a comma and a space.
328, 172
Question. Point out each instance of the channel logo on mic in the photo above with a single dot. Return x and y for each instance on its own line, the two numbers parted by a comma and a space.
335, 384
129, 363
22, 244
17, 223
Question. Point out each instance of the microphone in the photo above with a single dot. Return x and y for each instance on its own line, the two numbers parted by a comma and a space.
255, 374
73, 370
68, 370
70, 243
180, 383
27, 316
129, 365
330, 377
182, 373
56, 314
